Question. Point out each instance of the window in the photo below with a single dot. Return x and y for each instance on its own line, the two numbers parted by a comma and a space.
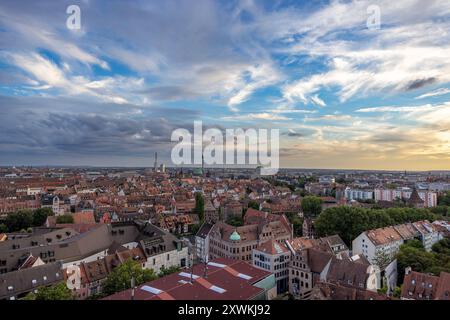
168, 257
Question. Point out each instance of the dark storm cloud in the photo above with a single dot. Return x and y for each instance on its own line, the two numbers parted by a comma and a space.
293, 134
54, 129
420, 83
170, 93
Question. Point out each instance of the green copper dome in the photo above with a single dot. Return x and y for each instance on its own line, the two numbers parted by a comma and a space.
235, 236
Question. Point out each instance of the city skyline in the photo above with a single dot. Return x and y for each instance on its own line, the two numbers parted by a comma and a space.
344, 95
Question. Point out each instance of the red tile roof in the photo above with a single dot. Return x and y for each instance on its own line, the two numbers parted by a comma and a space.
226, 279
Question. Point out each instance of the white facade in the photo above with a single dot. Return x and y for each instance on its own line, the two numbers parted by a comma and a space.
278, 264
33, 191
202, 248
358, 194
363, 245
429, 198
179, 258
327, 179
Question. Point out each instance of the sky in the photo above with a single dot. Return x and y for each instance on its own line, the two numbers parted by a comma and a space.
343, 94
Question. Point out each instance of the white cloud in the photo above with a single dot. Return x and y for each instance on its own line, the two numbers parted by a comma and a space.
37, 35
256, 116
438, 92
259, 76
318, 101
48, 75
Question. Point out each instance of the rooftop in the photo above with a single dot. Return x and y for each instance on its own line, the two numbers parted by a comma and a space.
225, 279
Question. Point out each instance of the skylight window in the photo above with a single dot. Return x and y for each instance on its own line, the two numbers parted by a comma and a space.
188, 275
151, 289
244, 276
218, 289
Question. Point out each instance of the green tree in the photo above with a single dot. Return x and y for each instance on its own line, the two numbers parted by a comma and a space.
444, 199
253, 204
40, 216
55, 292
297, 223
415, 244
67, 218
434, 262
120, 278
3, 228
166, 271
22, 219
397, 292
441, 210
200, 206
382, 290
382, 260
311, 206
442, 247
235, 221
418, 259
195, 227
349, 222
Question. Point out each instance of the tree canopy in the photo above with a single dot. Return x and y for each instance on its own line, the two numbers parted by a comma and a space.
414, 256
55, 292
120, 278
166, 271
235, 221
200, 206
311, 206
24, 219
296, 221
253, 204
444, 199
67, 218
349, 222
40, 216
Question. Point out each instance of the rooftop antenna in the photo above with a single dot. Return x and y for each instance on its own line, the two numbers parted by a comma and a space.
132, 288
205, 273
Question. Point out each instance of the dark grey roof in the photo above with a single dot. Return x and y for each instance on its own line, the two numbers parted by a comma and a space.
26, 280
204, 230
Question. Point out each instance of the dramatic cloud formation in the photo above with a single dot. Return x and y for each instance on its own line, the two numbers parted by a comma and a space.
342, 93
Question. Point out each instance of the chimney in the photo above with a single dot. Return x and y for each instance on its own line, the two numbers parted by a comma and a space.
408, 270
